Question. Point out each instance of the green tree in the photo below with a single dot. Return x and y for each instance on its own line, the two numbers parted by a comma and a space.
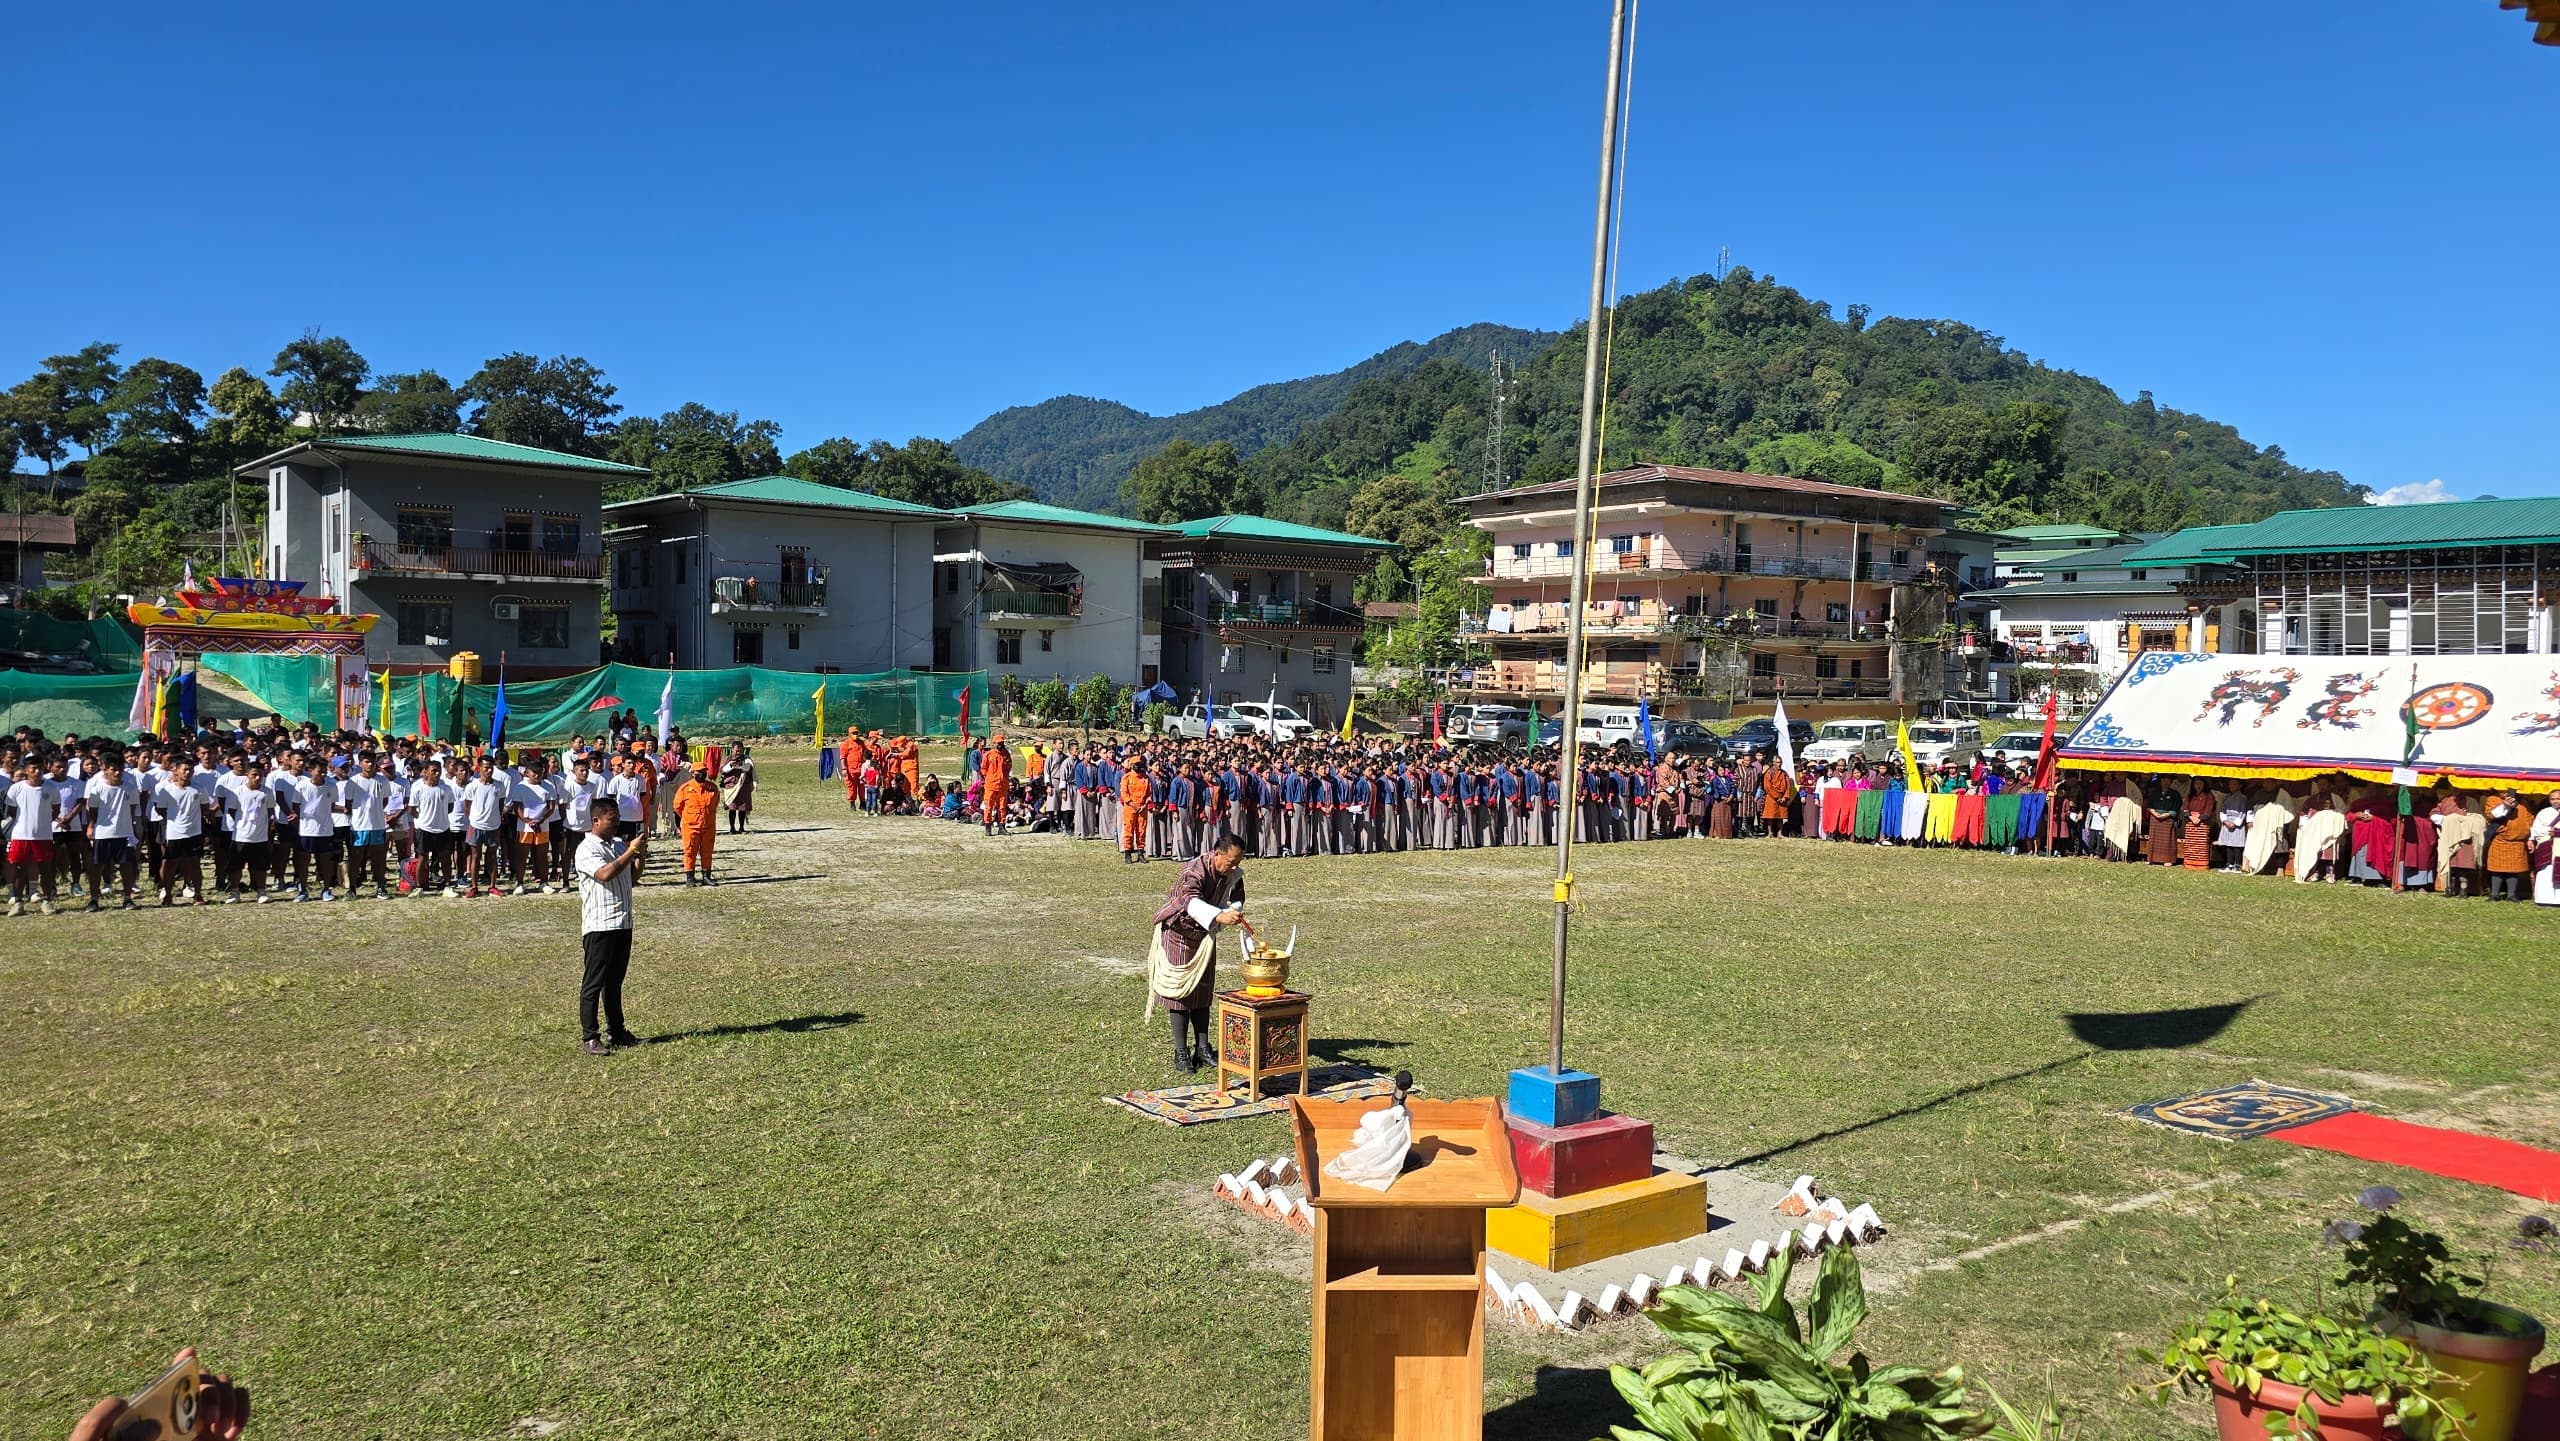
1401, 509
158, 402
418, 403
760, 447
32, 413
323, 377
925, 472
246, 421
834, 461
82, 386
140, 559
1184, 481
561, 404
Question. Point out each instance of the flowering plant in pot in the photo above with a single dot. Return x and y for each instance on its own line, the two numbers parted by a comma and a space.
2276, 1372
2420, 1294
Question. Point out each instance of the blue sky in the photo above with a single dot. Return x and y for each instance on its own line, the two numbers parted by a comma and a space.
2324, 223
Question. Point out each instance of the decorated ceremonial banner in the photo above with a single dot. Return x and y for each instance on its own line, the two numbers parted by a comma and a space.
355, 691
2477, 720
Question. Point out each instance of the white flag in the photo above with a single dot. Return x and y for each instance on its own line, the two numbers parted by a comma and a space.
666, 709
1786, 742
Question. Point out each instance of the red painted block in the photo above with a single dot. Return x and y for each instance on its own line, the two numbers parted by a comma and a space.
1561, 1161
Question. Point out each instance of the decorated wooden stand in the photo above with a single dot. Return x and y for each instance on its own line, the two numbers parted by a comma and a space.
1262, 1036
1399, 1273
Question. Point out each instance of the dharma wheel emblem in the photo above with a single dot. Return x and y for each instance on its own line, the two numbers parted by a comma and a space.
2450, 706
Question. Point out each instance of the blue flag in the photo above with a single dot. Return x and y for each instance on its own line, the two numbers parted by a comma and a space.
1644, 727
498, 715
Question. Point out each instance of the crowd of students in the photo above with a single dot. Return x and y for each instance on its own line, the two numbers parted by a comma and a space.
272, 814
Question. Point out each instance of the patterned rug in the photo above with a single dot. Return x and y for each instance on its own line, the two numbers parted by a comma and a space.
1201, 1104
2243, 1112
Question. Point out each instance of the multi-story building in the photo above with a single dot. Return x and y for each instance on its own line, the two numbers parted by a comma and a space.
2091, 612
1711, 588
1042, 591
459, 543
2471, 577
2025, 552
1256, 607
776, 572
25, 541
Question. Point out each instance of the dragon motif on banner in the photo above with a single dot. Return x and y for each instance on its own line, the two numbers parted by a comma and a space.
2338, 707
2264, 689
2542, 723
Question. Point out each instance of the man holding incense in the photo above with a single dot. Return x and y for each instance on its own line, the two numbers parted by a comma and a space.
1182, 964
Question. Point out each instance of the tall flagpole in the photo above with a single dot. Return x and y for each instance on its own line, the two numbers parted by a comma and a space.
1571, 781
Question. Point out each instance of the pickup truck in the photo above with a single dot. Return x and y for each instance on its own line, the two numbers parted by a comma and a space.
1238, 718
1840, 742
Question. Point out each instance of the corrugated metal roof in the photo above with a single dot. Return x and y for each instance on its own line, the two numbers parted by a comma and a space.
2056, 589
2060, 532
1743, 479
1262, 528
1033, 512
474, 447
792, 490
2440, 526
2184, 547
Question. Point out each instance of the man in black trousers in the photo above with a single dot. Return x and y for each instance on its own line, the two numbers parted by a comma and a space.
606, 869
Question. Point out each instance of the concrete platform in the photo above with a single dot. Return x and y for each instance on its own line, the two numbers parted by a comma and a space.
1741, 1210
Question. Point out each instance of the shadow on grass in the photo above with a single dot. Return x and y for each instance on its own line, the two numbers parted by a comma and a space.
775, 831
1569, 1403
2099, 1031
1351, 1050
753, 880
789, 1026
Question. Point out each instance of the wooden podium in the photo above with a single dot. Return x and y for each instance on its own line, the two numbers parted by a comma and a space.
1399, 1273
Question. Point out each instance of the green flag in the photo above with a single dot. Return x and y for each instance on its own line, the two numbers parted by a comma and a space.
2409, 740
1534, 718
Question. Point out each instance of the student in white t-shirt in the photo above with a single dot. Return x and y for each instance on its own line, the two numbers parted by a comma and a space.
180, 809
114, 800
367, 795
484, 819
532, 802
29, 803
252, 805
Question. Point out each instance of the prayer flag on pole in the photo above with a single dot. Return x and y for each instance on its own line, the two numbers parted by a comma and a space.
1348, 711
2044, 749
1786, 742
666, 698
1910, 763
962, 695
385, 726
1535, 723
820, 696
498, 710
2409, 738
1644, 726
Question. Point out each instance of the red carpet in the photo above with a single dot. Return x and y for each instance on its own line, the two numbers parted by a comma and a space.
2483, 1160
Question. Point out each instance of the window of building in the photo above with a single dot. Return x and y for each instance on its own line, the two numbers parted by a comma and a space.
1826, 667
1622, 545
2142, 575
1283, 654
1901, 557
1321, 658
951, 580
1008, 647
746, 645
1836, 612
1765, 606
1765, 666
426, 621
1324, 593
1520, 550
1177, 591
1230, 657
517, 533
680, 560
542, 626
942, 647
560, 534
791, 638
424, 529
1564, 550
2070, 575
1048, 639
1857, 670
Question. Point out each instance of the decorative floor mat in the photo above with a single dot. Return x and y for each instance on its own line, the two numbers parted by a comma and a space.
1198, 1105
2242, 1112
2461, 1155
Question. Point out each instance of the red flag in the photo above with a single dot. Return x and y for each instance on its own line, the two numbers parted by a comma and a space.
424, 731
2044, 749
962, 695
1435, 720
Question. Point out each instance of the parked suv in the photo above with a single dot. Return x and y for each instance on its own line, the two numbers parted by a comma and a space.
1493, 725
1843, 741
1942, 743
1253, 717
1760, 733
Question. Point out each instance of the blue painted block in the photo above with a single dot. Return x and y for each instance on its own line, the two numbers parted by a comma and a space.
1540, 1095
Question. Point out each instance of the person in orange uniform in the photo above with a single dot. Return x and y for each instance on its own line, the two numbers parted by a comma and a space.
1133, 811
849, 758
697, 808
995, 780
911, 763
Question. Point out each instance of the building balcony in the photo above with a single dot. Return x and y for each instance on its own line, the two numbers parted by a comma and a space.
1663, 560
1287, 615
766, 594
379, 558
1001, 603
1649, 618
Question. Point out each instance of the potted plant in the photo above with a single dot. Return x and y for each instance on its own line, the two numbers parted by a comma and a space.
2419, 1296
2276, 1372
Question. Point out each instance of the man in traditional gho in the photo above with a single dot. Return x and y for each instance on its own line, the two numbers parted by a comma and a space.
1182, 963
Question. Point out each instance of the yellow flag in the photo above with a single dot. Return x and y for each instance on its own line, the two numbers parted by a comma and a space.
1348, 711
820, 696
1910, 764
385, 727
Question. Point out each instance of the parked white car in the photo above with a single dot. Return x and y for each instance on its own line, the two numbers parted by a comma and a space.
1253, 717
1840, 742
1610, 725
1938, 743
2016, 748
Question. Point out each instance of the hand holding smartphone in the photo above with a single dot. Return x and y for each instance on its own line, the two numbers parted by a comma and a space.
181, 1404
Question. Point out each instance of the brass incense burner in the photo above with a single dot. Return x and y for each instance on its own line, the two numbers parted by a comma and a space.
1266, 970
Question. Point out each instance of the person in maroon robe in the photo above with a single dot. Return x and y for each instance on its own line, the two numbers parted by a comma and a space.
1206, 897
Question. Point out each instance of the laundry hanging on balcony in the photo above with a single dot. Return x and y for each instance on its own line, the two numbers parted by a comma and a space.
1050, 588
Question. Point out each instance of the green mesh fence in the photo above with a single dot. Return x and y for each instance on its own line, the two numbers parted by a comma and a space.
81, 704
106, 642
707, 704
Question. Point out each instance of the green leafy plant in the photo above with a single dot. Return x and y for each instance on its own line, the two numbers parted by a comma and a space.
2257, 1341
1049, 699
2043, 1423
1097, 702
2411, 1273
1762, 1373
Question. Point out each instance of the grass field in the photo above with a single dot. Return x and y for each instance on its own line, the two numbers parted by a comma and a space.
861, 1182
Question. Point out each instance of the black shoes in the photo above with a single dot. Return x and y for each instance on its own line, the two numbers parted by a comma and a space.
597, 1048
623, 1038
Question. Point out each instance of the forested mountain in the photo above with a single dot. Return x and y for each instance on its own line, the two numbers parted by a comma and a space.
1075, 450
1740, 372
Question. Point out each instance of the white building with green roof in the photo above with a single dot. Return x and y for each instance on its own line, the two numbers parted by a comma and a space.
1254, 607
460, 543
1040, 591
774, 571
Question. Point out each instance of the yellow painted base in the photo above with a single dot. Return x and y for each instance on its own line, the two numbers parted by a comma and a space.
1596, 1225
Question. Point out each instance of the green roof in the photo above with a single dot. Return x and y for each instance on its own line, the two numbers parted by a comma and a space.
474, 447
2050, 589
2033, 555
2059, 532
2184, 547
792, 490
2443, 525
1255, 527
1033, 512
